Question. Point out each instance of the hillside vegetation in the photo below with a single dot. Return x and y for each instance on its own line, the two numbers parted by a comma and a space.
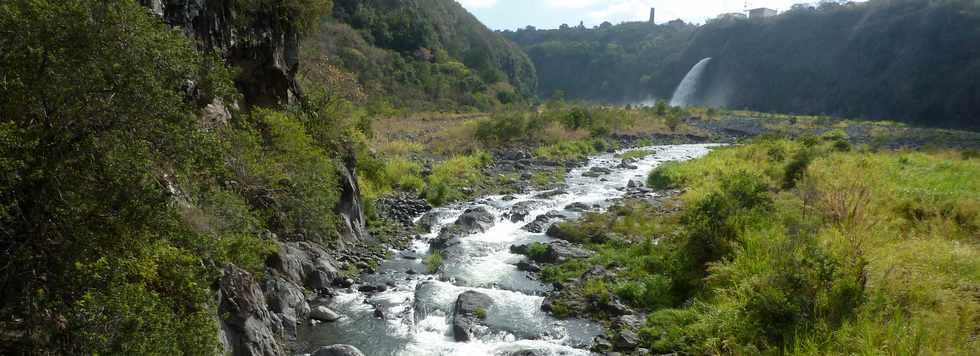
123, 196
909, 60
422, 55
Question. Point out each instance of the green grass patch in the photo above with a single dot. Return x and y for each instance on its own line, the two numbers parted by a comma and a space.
434, 261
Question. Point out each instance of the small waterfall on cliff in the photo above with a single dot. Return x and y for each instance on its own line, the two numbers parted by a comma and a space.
689, 85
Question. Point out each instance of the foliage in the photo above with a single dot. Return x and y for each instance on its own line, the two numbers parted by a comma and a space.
451, 179
430, 55
509, 127
434, 261
118, 208
836, 59
96, 131
660, 178
861, 253
481, 313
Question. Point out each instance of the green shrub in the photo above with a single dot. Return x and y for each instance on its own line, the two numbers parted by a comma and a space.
509, 127
663, 177
481, 313
434, 261
449, 177
537, 251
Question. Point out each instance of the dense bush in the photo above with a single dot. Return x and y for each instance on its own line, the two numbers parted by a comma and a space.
95, 138
423, 55
118, 208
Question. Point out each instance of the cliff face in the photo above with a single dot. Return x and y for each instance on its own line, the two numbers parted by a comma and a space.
264, 48
260, 317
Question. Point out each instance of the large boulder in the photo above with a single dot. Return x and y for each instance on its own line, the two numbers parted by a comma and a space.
473, 221
555, 252
287, 301
427, 222
578, 207
247, 325
305, 264
470, 309
521, 210
338, 350
322, 313
476, 220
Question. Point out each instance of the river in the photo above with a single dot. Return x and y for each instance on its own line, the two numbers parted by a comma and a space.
417, 306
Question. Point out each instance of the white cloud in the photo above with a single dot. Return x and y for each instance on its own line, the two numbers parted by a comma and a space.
478, 4
571, 4
622, 10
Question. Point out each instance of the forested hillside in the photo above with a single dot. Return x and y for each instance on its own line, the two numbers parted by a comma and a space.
912, 60
422, 54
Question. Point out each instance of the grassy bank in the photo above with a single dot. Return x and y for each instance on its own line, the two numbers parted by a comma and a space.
794, 247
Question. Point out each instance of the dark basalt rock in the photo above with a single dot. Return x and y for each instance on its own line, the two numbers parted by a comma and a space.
427, 222
247, 326
551, 194
306, 264
578, 207
473, 221
521, 210
287, 301
540, 223
596, 172
467, 325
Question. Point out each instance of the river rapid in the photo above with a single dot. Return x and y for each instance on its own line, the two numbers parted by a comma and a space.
412, 316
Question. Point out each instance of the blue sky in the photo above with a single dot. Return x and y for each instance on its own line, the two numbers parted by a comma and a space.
512, 14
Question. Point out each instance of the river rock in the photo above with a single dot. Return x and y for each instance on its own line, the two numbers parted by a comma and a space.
323, 313
560, 251
427, 222
528, 267
338, 350
305, 264
540, 223
288, 301
473, 221
627, 164
551, 194
521, 210
577, 207
596, 172
467, 324
626, 340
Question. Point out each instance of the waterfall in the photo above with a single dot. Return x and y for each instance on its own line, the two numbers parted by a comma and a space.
685, 92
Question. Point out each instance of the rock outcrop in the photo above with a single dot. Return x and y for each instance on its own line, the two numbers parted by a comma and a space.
248, 327
264, 46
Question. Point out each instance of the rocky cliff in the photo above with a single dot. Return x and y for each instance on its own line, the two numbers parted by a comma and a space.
264, 47
260, 316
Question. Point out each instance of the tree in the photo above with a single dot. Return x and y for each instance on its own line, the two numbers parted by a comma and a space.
97, 132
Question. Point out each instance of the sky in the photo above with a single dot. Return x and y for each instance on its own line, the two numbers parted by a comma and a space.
513, 14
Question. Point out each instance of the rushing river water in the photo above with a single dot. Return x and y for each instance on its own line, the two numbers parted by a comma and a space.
417, 307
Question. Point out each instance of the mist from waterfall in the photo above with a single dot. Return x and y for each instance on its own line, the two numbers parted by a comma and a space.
688, 88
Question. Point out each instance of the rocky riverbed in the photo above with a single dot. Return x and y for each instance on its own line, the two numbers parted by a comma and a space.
461, 288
